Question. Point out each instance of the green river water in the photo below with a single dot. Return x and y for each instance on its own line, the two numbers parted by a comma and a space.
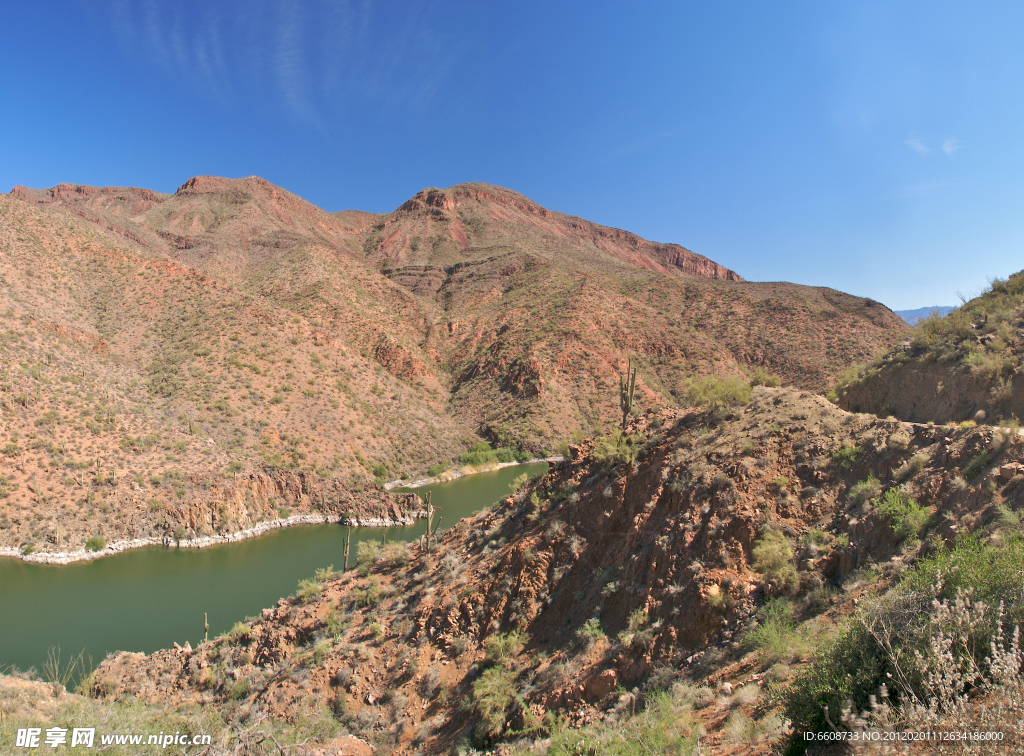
150, 598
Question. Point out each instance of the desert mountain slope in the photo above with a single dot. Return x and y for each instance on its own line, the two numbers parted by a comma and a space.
440, 227
157, 343
135, 390
951, 368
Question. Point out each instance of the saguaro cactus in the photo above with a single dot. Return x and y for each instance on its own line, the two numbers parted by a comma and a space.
627, 385
348, 545
430, 521
206, 628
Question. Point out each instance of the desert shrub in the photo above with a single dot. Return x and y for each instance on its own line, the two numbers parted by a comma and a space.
309, 589
369, 596
819, 538
431, 682
743, 729
771, 638
590, 632
719, 600
773, 557
761, 377
990, 571
847, 456
944, 612
911, 467
367, 553
665, 726
436, 470
95, 544
502, 648
716, 391
239, 690
494, 693
617, 447
851, 665
865, 491
482, 454
905, 516
396, 552
239, 633
898, 441
518, 482
976, 465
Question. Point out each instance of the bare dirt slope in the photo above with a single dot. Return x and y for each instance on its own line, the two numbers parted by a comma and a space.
624, 570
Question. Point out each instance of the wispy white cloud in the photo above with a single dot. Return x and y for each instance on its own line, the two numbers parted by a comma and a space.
290, 64
918, 146
318, 62
951, 146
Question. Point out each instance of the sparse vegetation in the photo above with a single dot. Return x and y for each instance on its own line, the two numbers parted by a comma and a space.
773, 557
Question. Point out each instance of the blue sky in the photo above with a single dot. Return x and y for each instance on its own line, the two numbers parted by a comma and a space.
871, 147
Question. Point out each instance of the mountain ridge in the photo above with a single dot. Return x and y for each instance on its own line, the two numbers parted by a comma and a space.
168, 343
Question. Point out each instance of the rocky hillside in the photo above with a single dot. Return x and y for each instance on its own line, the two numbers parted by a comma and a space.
646, 562
964, 366
156, 346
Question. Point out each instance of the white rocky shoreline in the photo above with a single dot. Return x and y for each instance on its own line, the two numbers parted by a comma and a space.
448, 475
116, 547
83, 555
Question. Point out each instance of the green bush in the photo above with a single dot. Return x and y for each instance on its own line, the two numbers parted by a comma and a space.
847, 456
369, 596
95, 544
436, 470
865, 491
482, 454
616, 448
502, 648
239, 690
309, 589
716, 391
761, 377
977, 464
494, 693
590, 632
666, 726
771, 638
852, 665
367, 554
906, 517
773, 557
991, 571
518, 482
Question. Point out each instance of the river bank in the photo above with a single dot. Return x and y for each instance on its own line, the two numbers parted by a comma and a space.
145, 599
260, 528
449, 475
117, 547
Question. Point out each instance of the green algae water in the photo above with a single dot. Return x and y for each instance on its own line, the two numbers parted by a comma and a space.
150, 598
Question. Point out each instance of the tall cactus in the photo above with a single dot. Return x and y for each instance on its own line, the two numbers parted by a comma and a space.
430, 520
348, 545
627, 385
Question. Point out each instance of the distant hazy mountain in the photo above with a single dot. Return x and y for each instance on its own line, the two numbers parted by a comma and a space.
912, 316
